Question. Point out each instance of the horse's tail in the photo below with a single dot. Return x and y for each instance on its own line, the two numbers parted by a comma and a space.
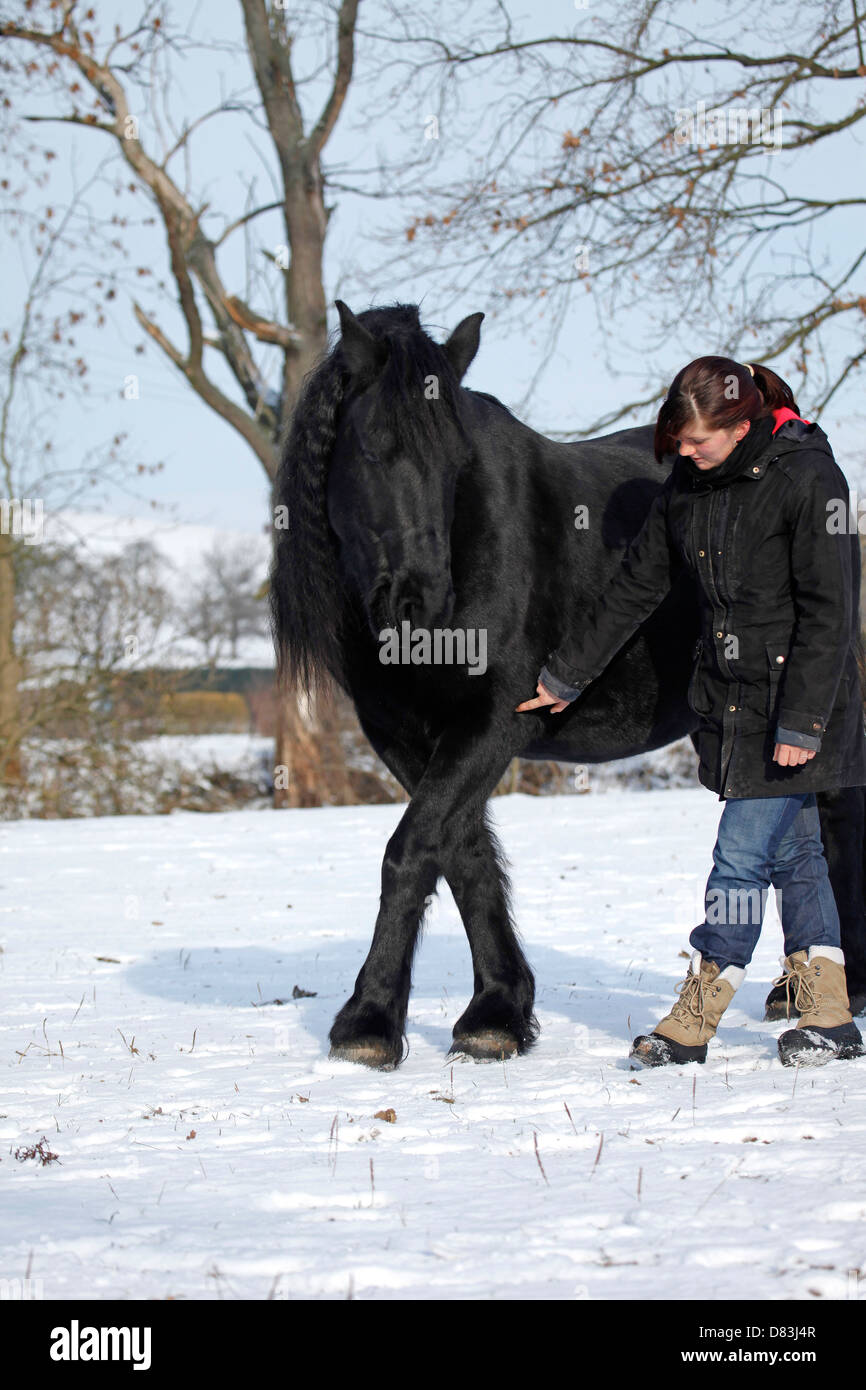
305, 592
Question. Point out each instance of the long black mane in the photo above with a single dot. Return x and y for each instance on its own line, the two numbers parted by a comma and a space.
309, 604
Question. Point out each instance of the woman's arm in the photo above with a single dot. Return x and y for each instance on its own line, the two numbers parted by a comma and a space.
638, 587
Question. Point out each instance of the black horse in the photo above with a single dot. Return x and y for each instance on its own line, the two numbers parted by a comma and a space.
415, 505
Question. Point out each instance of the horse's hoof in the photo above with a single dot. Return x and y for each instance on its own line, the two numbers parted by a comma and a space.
368, 1052
776, 1008
857, 1003
775, 1012
487, 1045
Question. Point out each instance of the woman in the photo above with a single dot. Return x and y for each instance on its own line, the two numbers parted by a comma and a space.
751, 508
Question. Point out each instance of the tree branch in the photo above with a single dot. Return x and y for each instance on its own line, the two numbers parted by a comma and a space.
346, 22
260, 440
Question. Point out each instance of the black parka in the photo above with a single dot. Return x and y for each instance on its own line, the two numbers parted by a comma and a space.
777, 573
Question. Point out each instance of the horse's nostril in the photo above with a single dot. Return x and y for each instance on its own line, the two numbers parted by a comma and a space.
405, 609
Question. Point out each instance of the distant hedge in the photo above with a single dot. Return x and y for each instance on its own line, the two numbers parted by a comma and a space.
205, 712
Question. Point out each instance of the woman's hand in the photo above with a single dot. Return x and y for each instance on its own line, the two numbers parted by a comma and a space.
544, 698
789, 754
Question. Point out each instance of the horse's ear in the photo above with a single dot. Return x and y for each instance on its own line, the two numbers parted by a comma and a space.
364, 354
463, 343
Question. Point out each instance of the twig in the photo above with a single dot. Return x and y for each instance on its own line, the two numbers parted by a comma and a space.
130, 1046
538, 1157
333, 1140
719, 1185
568, 1113
598, 1155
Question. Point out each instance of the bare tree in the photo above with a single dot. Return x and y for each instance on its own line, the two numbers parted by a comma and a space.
39, 361
93, 643
100, 83
670, 171
224, 603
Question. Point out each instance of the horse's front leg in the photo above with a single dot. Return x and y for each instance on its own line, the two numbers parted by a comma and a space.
443, 832
499, 1020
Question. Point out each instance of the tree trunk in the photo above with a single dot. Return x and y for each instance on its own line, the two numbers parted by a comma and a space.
10, 669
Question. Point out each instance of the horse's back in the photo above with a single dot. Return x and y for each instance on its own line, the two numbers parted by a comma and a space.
626, 478
630, 451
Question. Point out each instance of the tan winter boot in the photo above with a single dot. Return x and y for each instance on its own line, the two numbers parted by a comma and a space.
816, 980
682, 1036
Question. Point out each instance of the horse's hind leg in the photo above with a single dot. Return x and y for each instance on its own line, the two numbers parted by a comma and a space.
843, 832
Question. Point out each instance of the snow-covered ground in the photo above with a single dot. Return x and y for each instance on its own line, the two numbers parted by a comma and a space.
206, 1144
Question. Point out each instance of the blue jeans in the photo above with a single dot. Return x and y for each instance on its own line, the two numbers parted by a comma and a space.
764, 840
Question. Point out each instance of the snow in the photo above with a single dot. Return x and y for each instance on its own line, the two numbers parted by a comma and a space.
179, 543
206, 1144
240, 753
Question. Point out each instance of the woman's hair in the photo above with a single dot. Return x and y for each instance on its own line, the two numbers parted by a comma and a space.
721, 393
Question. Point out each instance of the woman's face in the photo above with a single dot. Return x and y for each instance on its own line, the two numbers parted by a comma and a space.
706, 447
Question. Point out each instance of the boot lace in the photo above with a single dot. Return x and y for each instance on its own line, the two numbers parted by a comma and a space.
807, 998
691, 999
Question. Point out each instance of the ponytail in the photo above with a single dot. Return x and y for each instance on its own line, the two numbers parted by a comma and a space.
776, 392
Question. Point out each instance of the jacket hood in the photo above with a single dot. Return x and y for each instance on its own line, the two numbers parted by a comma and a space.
793, 432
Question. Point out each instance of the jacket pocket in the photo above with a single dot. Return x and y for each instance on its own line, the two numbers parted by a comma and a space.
777, 657
698, 700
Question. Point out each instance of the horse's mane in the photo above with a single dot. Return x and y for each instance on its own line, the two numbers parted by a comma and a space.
309, 604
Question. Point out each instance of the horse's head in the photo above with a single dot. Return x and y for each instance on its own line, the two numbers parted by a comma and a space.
398, 452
